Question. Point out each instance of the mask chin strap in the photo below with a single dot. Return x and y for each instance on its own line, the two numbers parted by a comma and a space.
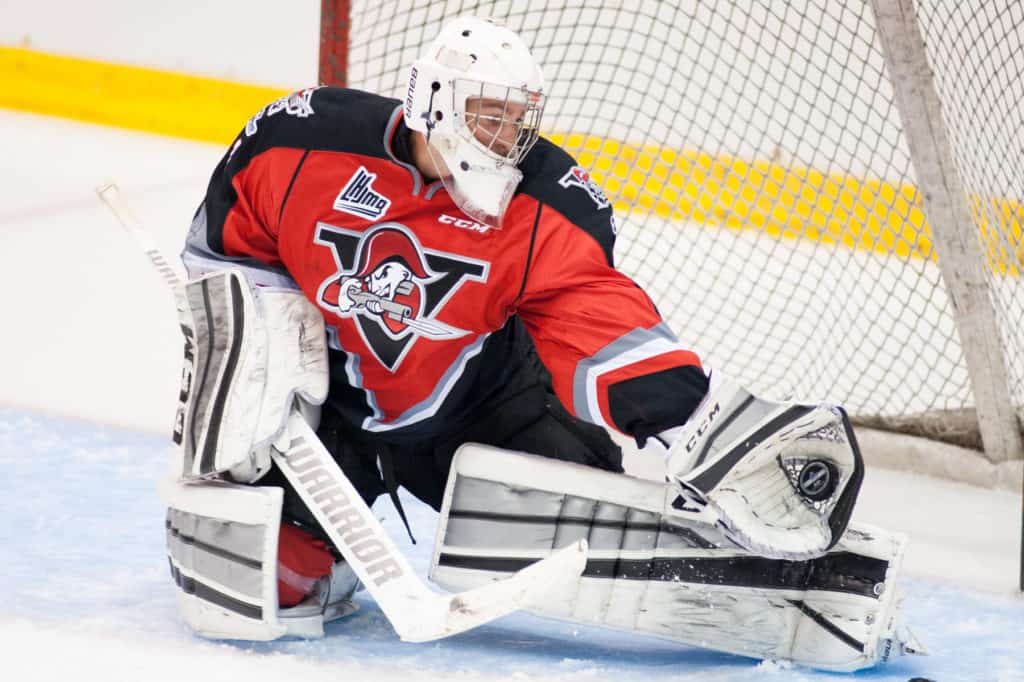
426, 115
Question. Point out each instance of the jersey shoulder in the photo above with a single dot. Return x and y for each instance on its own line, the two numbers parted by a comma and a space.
321, 119
553, 177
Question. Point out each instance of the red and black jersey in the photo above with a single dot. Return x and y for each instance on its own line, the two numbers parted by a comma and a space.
422, 304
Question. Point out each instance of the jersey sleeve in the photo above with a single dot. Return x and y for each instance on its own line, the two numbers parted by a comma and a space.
613, 359
238, 222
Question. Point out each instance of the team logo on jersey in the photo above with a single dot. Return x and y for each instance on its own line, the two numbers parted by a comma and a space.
358, 198
295, 104
577, 177
392, 287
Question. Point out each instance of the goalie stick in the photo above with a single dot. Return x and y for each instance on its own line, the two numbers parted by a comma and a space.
416, 612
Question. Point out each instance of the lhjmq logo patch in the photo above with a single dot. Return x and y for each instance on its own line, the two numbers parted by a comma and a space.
577, 177
358, 197
392, 287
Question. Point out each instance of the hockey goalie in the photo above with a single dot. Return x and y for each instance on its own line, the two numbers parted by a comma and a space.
420, 293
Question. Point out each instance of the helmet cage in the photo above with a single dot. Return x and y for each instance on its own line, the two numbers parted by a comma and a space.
500, 120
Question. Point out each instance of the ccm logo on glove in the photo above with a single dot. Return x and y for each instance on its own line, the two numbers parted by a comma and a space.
702, 429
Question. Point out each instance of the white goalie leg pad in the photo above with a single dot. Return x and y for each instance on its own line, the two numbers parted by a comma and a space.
658, 574
783, 477
222, 541
248, 352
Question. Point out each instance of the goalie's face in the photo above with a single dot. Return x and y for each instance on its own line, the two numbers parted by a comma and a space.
506, 127
496, 124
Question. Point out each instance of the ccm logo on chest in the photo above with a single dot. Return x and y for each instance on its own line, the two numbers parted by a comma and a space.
464, 223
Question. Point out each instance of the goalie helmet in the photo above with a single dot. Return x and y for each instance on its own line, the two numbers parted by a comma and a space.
477, 94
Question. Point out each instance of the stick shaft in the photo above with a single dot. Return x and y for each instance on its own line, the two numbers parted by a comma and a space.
111, 196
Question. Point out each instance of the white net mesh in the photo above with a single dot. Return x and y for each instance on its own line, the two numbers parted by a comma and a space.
764, 192
976, 50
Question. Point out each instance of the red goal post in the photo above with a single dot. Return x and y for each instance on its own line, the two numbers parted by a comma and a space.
334, 30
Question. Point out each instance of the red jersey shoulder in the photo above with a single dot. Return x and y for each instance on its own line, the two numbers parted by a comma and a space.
273, 145
554, 178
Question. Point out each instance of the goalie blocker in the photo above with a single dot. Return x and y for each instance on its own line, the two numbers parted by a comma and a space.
656, 571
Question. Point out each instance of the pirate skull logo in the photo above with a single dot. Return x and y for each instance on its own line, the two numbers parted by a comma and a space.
387, 285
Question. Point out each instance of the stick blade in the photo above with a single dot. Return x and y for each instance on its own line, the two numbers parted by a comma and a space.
480, 605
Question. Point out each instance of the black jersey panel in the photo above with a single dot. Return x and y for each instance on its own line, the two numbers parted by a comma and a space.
553, 177
315, 119
506, 366
649, 404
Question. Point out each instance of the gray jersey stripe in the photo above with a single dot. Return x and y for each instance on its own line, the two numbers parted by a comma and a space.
634, 339
199, 259
389, 132
429, 406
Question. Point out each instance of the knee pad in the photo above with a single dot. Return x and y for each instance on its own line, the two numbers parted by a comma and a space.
222, 547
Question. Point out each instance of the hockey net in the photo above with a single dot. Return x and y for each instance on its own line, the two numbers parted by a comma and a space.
765, 193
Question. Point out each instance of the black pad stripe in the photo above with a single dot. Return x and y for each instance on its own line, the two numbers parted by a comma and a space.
212, 549
204, 360
691, 536
207, 463
840, 572
840, 516
828, 625
722, 427
207, 593
708, 479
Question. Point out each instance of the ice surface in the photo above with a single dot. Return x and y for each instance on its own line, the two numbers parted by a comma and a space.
87, 595
89, 332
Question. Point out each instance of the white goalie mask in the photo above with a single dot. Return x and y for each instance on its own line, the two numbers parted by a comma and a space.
477, 94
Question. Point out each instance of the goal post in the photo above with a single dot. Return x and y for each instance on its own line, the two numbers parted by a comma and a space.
945, 201
334, 31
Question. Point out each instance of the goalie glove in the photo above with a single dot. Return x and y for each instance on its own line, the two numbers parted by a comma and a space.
779, 478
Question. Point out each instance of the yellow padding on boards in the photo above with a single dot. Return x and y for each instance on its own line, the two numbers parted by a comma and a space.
782, 201
786, 201
155, 101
